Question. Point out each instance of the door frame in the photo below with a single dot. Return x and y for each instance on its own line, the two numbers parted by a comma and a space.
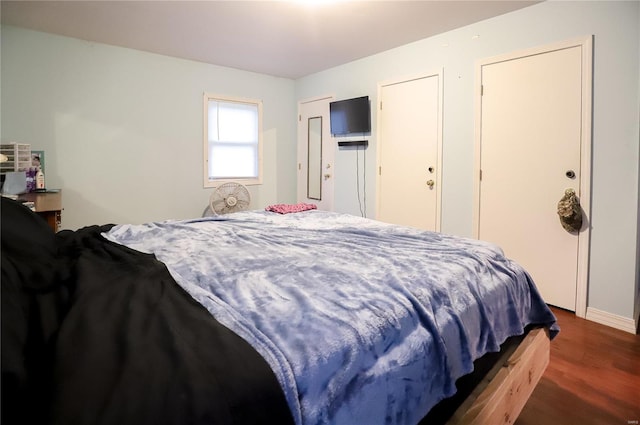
328, 98
586, 45
436, 73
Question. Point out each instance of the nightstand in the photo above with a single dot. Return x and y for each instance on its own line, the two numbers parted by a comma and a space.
48, 205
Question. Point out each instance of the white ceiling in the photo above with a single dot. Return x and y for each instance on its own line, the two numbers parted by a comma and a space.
282, 38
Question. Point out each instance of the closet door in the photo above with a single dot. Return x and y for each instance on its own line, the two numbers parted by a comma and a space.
534, 145
409, 151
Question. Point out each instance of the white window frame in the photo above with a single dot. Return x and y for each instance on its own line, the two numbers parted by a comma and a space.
213, 182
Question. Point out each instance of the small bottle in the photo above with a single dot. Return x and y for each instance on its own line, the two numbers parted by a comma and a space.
39, 179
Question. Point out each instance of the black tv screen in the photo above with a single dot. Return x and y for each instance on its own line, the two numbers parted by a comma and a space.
350, 116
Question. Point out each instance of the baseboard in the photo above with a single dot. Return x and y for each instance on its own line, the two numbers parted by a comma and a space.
613, 320
637, 307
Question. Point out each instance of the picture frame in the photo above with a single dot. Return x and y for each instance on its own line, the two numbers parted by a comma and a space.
37, 160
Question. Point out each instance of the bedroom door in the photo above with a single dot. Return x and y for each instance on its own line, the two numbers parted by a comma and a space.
316, 152
534, 123
409, 152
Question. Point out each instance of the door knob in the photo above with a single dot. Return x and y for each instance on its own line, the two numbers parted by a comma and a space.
430, 183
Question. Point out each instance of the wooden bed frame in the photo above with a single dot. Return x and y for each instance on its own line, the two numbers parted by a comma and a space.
505, 389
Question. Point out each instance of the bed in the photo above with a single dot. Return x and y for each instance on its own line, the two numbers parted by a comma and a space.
257, 317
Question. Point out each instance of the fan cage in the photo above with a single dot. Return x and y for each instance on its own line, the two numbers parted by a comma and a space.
230, 197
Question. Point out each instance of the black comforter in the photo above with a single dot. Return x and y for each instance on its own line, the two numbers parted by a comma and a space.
96, 333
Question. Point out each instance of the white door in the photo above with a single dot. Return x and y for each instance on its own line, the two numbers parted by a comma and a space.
316, 152
409, 147
532, 119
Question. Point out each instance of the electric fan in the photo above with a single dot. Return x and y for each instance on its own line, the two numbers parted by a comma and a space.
229, 197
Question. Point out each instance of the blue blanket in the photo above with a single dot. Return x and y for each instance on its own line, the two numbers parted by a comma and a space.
362, 322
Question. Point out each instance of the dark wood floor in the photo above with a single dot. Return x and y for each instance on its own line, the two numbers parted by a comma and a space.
593, 377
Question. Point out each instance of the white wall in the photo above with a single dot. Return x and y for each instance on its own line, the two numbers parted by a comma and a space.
122, 129
637, 307
614, 216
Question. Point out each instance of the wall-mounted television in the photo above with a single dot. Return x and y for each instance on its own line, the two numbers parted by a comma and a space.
350, 116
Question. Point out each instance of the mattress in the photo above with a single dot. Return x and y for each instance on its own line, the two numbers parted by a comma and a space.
361, 321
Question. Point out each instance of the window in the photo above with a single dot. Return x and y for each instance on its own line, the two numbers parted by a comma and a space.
232, 140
